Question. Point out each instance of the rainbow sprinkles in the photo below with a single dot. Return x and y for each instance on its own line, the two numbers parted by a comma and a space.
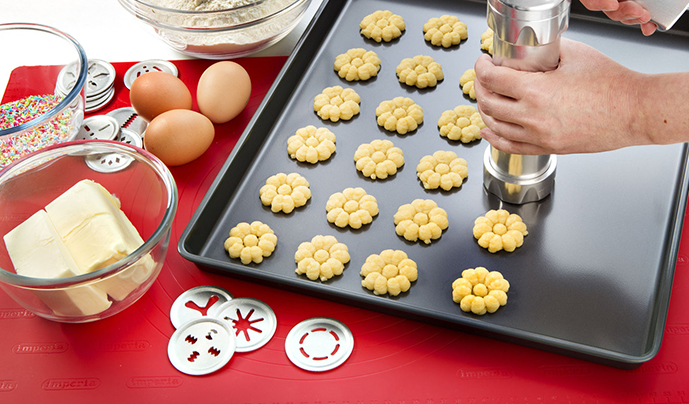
15, 113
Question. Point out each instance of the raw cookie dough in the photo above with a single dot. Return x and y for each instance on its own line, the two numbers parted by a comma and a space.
443, 170
400, 114
352, 207
420, 220
391, 272
479, 291
445, 31
464, 123
336, 103
251, 242
382, 25
420, 71
284, 192
500, 230
357, 64
310, 144
467, 83
378, 159
487, 41
321, 258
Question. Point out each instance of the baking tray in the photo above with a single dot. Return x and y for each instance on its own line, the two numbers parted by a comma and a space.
594, 275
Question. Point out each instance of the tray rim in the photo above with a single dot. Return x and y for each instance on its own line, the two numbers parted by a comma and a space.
539, 341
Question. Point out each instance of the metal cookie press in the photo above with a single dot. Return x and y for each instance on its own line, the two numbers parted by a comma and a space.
526, 36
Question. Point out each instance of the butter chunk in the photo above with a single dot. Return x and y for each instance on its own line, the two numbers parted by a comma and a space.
36, 250
84, 300
122, 284
94, 229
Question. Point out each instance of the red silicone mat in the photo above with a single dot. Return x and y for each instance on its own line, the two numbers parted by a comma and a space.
394, 361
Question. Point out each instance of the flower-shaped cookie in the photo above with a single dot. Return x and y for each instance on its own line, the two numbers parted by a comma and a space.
284, 192
500, 230
420, 220
467, 83
479, 291
378, 159
420, 71
352, 207
391, 272
251, 242
400, 114
382, 25
487, 41
311, 145
464, 123
443, 170
336, 103
321, 258
445, 31
357, 64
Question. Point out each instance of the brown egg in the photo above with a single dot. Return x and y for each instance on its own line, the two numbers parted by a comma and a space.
153, 93
178, 136
223, 91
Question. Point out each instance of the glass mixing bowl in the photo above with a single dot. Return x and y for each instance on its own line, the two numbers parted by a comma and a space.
42, 107
220, 34
148, 197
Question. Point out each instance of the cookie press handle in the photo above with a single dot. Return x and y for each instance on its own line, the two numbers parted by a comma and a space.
526, 36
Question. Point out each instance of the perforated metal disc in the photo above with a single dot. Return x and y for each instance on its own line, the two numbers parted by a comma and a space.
319, 344
148, 66
128, 118
130, 137
94, 104
253, 321
100, 78
201, 346
101, 127
108, 162
198, 302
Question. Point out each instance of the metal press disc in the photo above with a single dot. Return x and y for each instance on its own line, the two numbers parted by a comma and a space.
319, 344
108, 163
100, 78
146, 66
128, 118
100, 127
201, 346
254, 322
130, 137
198, 302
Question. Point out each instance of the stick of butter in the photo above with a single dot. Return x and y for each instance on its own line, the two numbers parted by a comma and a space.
37, 250
94, 229
97, 233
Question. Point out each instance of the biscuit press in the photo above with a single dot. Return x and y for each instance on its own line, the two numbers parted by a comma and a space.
526, 36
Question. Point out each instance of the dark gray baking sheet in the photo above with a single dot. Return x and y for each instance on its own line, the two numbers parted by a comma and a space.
594, 275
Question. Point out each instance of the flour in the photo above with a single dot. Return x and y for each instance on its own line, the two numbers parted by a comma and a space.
201, 5
217, 29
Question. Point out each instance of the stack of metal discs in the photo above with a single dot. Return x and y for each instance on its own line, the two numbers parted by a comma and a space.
100, 83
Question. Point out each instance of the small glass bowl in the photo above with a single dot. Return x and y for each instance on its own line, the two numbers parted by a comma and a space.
148, 197
34, 113
221, 34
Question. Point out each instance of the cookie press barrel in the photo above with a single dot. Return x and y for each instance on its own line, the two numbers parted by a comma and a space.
526, 36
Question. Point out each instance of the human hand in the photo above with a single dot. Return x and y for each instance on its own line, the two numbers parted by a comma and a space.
625, 11
587, 104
